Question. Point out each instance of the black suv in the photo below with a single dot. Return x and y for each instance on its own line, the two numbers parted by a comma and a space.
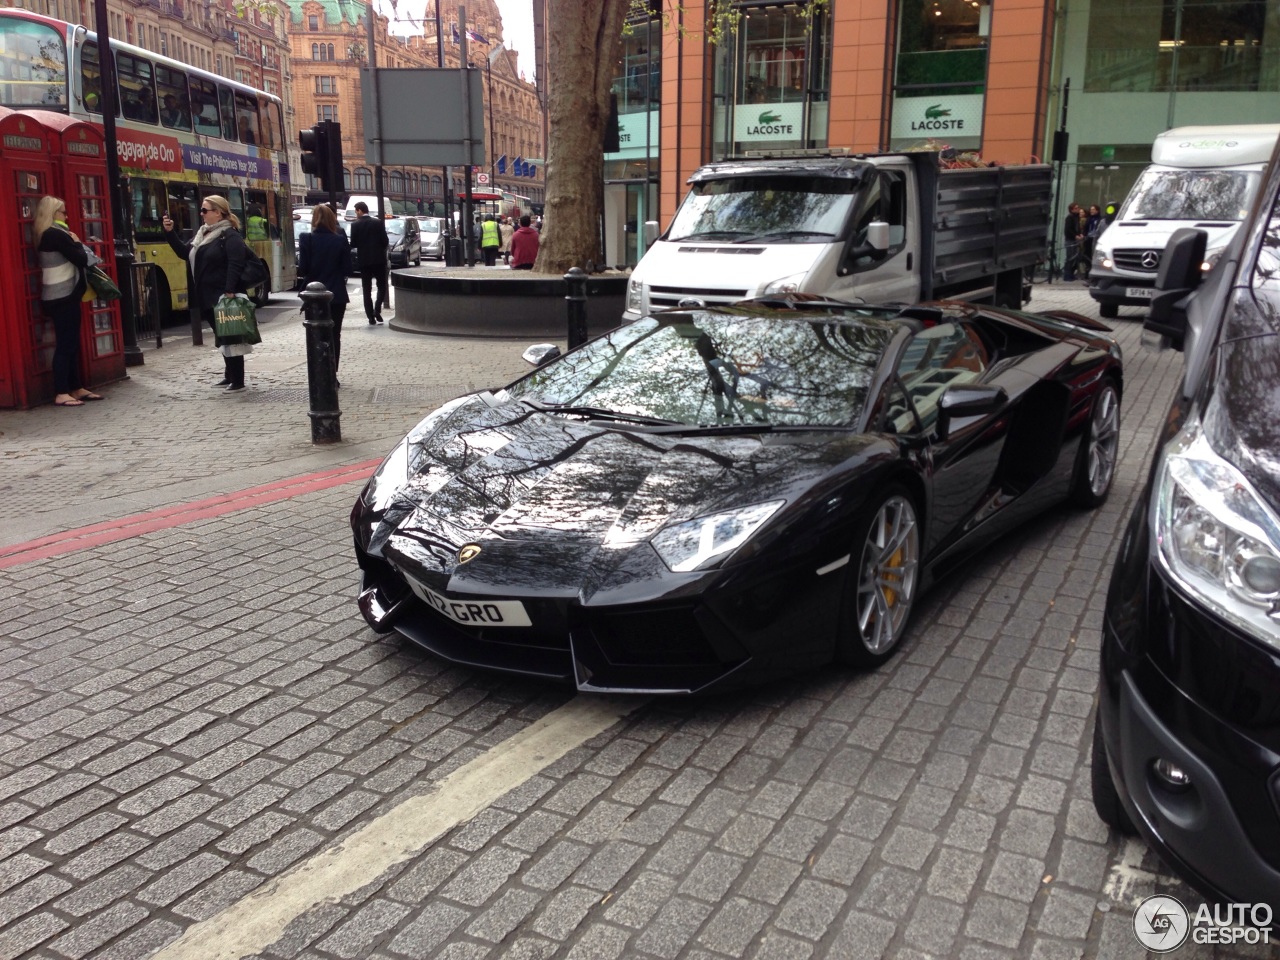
1186, 742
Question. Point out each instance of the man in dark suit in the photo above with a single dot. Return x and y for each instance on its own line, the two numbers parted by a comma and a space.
369, 237
323, 257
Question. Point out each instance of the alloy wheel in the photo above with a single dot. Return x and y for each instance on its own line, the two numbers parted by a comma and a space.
1104, 440
888, 574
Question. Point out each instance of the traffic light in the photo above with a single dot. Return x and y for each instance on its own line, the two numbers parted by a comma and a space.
322, 154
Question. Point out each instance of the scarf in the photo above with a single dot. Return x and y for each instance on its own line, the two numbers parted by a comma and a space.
208, 232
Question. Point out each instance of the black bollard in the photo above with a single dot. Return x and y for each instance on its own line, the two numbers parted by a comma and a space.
322, 378
576, 280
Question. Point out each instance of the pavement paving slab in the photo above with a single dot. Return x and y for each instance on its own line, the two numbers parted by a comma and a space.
205, 752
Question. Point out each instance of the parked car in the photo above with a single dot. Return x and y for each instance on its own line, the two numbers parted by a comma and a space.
718, 496
432, 230
404, 242
1186, 738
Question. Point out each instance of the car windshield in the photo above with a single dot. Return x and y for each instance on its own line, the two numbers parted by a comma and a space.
723, 368
430, 226
766, 209
395, 226
1191, 195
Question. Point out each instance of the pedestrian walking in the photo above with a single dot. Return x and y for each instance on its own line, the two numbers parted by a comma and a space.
323, 257
215, 260
507, 229
369, 237
524, 246
490, 241
1072, 234
63, 261
1093, 225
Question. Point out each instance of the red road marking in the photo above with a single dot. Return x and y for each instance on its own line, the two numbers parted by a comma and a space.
97, 534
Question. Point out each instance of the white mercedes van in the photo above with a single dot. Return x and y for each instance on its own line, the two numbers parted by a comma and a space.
1200, 177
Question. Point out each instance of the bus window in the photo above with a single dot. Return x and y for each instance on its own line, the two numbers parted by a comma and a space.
137, 89
33, 65
269, 112
247, 117
184, 204
235, 198
91, 79
227, 104
150, 203
255, 220
204, 106
175, 109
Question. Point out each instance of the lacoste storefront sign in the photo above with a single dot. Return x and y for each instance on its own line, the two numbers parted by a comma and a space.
773, 121
919, 118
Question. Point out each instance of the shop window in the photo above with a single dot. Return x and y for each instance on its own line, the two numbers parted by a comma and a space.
1177, 45
943, 43
639, 69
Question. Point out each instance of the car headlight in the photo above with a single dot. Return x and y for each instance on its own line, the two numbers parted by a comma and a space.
789, 284
694, 544
406, 458
635, 295
1216, 537
1102, 260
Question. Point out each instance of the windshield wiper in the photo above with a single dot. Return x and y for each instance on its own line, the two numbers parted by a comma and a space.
721, 429
709, 235
595, 413
785, 235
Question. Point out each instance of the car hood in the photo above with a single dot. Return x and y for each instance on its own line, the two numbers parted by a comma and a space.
1154, 234
740, 270
565, 505
1242, 417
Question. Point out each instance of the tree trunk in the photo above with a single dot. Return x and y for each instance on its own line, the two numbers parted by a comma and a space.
584, 38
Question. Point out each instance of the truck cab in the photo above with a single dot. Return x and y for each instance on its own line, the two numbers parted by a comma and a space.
1204, 178
881, 228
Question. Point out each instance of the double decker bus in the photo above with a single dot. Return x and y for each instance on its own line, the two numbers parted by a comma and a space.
182, 133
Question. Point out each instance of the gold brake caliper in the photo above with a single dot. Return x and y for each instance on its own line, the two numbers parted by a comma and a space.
895, 560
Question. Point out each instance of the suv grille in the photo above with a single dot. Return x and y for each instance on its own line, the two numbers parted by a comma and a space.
662, 297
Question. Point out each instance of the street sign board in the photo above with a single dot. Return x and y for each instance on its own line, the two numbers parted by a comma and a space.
423, 137
482, 179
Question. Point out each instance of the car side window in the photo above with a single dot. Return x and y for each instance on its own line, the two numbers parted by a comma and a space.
937, 357
883, 200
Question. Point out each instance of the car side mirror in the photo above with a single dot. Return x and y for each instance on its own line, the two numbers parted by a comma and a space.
878, 236
1181, 272
540, 353
650, 232
875, 246
965, 400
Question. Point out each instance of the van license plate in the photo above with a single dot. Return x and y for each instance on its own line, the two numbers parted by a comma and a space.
473, 613
1139, 293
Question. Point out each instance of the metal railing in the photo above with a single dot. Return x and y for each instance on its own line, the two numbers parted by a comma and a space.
146, 302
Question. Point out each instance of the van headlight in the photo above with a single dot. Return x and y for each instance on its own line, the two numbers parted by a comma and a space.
635, 295
694, 544
789, 284
1216, 537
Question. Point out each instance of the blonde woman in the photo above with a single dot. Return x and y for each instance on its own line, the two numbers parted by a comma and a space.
216, 258
62, 286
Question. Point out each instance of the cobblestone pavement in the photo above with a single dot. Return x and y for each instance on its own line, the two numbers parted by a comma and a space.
188, 714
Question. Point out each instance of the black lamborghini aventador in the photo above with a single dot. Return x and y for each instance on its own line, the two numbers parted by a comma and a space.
719, 496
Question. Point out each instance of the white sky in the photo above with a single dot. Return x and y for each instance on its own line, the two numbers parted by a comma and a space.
517, 24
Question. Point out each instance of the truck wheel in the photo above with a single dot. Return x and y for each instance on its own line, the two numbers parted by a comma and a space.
1106, 798
1108, 311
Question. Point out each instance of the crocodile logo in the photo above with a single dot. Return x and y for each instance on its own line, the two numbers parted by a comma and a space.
936, 111
770, 117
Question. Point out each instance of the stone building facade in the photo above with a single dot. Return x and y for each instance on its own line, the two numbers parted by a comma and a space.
328, 40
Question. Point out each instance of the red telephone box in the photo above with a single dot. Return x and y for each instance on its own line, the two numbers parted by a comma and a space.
82, 161
27, 173
43, 153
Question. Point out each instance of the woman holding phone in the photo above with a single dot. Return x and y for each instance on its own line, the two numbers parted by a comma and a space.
215, 260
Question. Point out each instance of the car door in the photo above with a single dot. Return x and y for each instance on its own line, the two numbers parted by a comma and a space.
963, 464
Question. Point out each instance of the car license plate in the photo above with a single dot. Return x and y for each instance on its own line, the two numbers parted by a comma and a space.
473, 613
1139, 293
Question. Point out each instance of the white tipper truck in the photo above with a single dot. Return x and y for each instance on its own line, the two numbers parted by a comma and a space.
882, 228
1199, 177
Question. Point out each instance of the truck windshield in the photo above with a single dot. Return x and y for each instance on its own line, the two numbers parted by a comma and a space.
1191, 195
33, 65
765, 210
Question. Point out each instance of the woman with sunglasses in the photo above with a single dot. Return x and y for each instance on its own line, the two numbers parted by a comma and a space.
63, 262
216, 257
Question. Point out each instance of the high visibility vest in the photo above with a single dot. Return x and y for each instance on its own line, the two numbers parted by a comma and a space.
489, 234
256, 229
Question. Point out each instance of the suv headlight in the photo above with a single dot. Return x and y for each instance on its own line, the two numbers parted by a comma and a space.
1216, 537
789, 284
635, 295
694, 544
